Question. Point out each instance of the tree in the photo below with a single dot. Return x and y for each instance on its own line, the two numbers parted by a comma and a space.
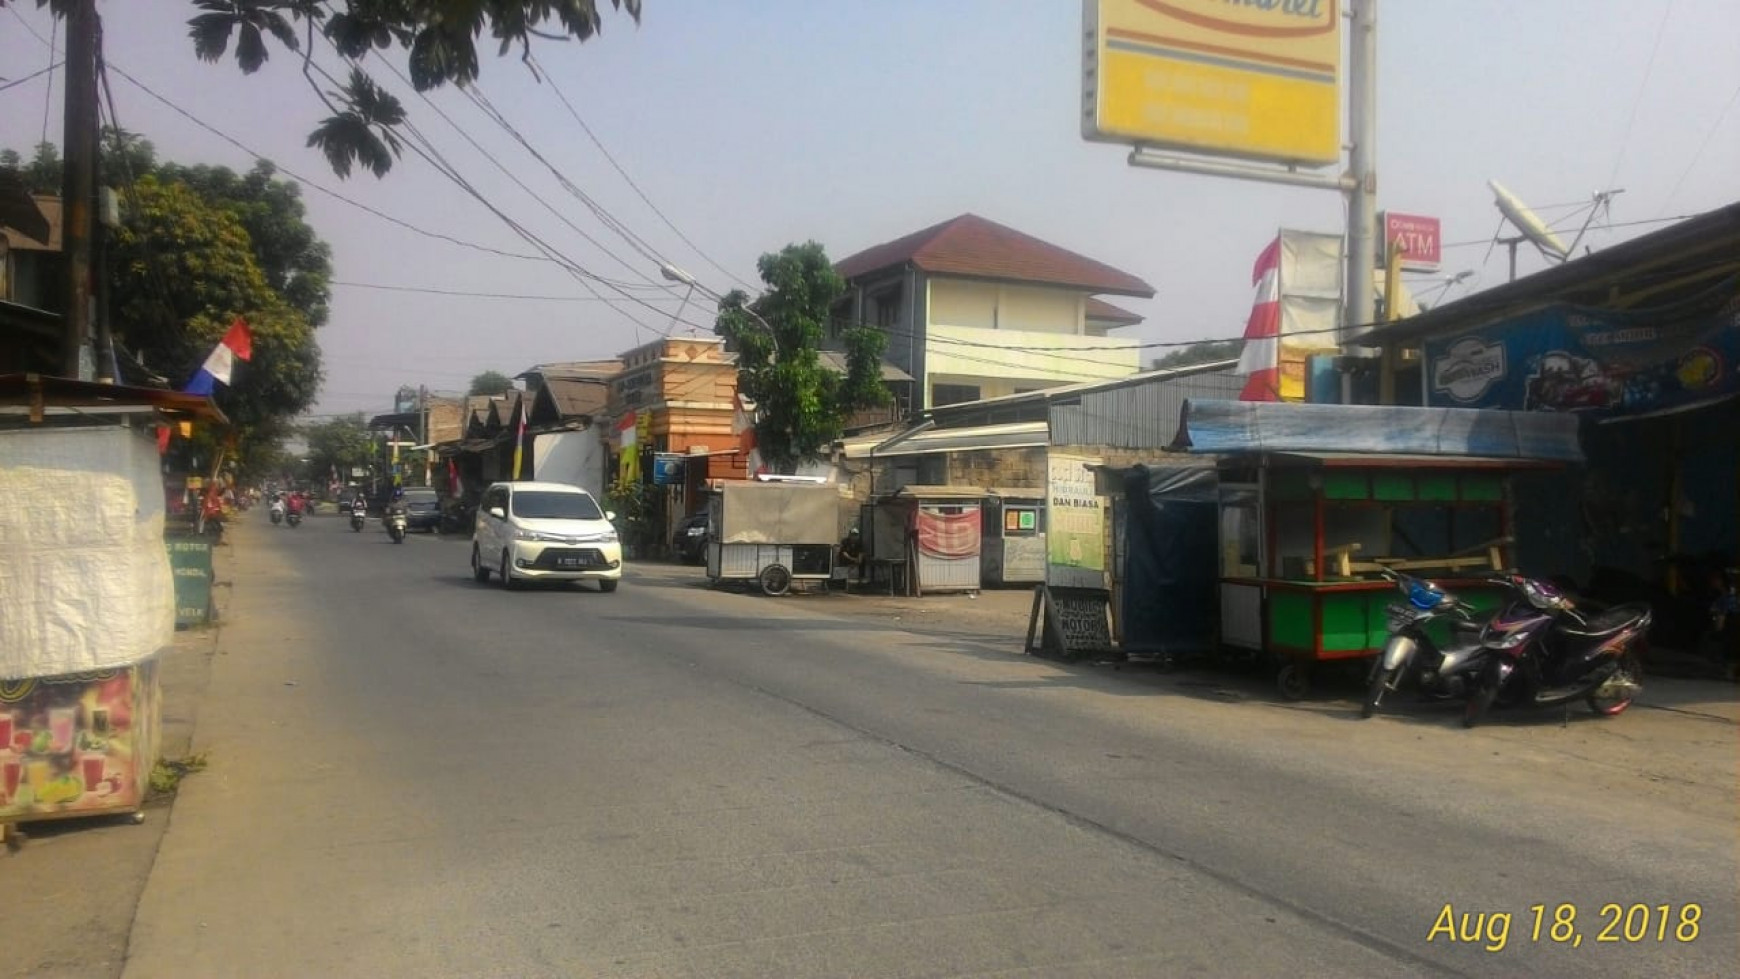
1207, 352
801, 406
439, 38
491, 383
337, 446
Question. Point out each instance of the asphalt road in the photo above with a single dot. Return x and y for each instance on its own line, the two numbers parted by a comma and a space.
412, 774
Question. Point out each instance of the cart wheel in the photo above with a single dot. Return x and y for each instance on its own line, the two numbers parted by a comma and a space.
775, 580
1294, 680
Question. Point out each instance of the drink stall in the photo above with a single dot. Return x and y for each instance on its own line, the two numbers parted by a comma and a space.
1012, 545
88, 593
928, 537
772, 532
1314, 501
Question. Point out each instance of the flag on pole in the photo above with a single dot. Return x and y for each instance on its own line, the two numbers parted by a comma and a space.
520, 437
1260, 360
237, 344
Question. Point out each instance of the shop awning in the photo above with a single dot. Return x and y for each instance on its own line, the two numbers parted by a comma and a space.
1021, 435
1362, 430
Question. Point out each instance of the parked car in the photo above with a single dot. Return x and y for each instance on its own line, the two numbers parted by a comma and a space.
423, 509
530, 531
689, 540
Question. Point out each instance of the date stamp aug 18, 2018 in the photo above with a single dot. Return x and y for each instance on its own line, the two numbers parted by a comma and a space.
1566, 924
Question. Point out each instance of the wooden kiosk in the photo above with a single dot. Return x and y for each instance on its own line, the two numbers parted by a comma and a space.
1315, 500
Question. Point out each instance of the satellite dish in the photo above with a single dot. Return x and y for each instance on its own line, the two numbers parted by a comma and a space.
1528, 223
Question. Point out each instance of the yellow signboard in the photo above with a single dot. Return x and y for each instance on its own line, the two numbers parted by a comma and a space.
1253, 79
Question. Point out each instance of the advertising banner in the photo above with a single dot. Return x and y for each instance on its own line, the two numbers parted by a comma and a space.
77, 744
1075, 525
1257, 81
1601, 362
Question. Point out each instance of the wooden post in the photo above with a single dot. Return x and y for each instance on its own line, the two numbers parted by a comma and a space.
78, 179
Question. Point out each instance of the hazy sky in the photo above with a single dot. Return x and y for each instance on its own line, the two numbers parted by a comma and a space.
754, 123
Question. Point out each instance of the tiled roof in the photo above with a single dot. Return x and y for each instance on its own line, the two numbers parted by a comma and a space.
972, 246
1099, 309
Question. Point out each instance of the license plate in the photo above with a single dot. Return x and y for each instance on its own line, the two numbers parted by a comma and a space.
572, 562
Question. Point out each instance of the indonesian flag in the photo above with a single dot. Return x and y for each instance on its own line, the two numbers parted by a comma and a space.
237, 343
1261, 359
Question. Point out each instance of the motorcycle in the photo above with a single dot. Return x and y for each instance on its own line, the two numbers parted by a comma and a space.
358, 516
277, 512
293, 517
1440, 669
397, 520
1545, 651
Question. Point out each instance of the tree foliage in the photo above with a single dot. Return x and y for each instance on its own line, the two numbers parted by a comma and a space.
197, 247
801, 405
437, 37
337, 445
1200, 353
491, 383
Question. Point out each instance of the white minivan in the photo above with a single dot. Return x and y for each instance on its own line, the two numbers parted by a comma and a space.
530, 531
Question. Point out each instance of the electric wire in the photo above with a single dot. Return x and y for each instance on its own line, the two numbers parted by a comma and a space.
1711, 134
38, 73
1648, 70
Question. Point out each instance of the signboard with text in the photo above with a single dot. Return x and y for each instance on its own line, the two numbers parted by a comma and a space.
1075, 523
1417, 237
1254, 81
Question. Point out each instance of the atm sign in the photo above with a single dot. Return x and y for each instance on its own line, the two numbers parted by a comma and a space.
1417, 238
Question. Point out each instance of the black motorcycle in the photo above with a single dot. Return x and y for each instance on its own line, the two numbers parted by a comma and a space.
1434, 642
1543, 650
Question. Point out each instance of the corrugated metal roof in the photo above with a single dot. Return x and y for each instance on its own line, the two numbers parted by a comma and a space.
1256, 426
1018, 436
1135, 416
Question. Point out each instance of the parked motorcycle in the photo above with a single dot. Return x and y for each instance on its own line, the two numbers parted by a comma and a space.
1434, 641
396, 520
1545, 650
358, 516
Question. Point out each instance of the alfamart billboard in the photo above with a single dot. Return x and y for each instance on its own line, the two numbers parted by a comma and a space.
1252, 79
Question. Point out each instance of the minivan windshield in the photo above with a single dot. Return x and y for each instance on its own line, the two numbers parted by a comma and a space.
546, 505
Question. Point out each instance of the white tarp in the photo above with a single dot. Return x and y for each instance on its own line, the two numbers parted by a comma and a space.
779, 513
84, 575
575, 458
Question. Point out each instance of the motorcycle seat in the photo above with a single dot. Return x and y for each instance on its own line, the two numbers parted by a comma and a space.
1609, 621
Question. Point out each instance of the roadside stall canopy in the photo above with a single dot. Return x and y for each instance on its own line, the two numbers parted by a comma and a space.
1225, 427
1167, 602
779, 513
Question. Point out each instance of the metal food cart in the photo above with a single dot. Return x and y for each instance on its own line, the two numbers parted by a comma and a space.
1012, 544
772, 533
1315, 500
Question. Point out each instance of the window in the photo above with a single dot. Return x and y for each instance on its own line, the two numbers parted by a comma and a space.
952, 394
885, 307
548, 505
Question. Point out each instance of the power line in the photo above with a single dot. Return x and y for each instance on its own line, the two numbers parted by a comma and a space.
304, 181
485, 295
560, 95
1617, 224
1648, 70
47, 95
1720, 118
38, 73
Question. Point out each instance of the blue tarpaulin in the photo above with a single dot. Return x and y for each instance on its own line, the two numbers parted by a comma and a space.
1225, 427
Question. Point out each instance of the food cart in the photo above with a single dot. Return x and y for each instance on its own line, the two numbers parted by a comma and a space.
772, 532
928, 536
1316, 500
1012, 543
88, 589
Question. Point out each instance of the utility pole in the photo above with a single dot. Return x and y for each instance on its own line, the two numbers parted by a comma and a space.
1362, 253
79, 181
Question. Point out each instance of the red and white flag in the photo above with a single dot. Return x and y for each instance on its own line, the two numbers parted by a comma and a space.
1260, 361
237, 344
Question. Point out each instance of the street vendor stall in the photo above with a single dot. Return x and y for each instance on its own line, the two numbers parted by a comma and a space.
1315, 500
1012, 543
772, 533
931, 535
88, 592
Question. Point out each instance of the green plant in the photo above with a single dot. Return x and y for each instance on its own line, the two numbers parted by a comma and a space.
167, 774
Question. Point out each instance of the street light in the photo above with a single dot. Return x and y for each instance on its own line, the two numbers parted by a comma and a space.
677, 275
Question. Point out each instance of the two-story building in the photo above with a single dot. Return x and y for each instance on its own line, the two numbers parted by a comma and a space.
975, 310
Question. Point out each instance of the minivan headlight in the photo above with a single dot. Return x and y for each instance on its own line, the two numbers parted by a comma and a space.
532, 535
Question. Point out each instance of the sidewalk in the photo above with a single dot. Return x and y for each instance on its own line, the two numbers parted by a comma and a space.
71, 890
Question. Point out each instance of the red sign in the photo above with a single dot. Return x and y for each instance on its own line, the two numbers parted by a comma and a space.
1417, 238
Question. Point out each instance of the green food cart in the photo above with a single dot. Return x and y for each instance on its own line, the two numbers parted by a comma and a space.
1316, 500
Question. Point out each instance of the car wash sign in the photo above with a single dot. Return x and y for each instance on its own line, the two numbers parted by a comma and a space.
1600, 362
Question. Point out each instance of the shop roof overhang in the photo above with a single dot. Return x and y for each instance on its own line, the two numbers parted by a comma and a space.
1655, 267
41, 394
1346, 431
1021, 435
1359, 460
